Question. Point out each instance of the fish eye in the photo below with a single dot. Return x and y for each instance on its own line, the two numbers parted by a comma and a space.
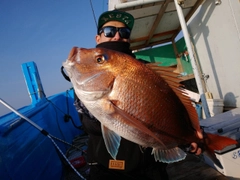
100, 59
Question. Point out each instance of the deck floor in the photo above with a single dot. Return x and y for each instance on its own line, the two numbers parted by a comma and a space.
193, 168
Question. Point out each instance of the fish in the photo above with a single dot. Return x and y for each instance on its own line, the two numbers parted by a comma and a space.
143, 103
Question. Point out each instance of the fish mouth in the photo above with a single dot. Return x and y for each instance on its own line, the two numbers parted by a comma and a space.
68, 66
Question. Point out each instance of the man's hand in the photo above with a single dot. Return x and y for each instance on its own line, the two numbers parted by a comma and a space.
194, 147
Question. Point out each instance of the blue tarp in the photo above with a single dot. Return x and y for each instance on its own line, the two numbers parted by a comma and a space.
25, 153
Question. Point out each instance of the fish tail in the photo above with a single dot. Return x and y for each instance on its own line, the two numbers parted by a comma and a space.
215, 142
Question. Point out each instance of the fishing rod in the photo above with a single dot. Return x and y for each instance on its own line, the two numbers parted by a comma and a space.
44, 132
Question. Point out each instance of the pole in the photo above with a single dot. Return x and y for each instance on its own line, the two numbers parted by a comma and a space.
192, 58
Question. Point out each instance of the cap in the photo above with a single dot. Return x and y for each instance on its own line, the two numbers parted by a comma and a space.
116, 15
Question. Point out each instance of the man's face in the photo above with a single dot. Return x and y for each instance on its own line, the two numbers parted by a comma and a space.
101, 38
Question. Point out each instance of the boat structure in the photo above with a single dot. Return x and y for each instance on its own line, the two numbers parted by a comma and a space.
45, 140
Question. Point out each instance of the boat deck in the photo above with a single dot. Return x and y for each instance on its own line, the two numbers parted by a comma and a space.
193, 168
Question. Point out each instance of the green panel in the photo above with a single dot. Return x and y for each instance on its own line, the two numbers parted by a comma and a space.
165, 54
181, 45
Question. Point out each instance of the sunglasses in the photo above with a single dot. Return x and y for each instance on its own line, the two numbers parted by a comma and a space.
110, 31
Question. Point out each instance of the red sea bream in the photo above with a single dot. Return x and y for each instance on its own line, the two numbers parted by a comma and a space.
142, 103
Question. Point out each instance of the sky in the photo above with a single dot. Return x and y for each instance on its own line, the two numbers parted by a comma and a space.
43, 31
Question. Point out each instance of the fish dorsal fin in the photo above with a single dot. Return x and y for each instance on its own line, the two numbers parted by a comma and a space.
173, 80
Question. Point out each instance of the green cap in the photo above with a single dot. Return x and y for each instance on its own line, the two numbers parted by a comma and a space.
116, 15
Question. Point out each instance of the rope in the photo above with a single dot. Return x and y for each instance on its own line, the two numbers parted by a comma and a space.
67, 116
65, 142
94, 16
50, 137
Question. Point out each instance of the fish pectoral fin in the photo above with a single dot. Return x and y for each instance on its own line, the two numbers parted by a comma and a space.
169, 155
112, 141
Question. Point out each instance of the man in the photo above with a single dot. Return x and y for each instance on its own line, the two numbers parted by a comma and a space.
133, 162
